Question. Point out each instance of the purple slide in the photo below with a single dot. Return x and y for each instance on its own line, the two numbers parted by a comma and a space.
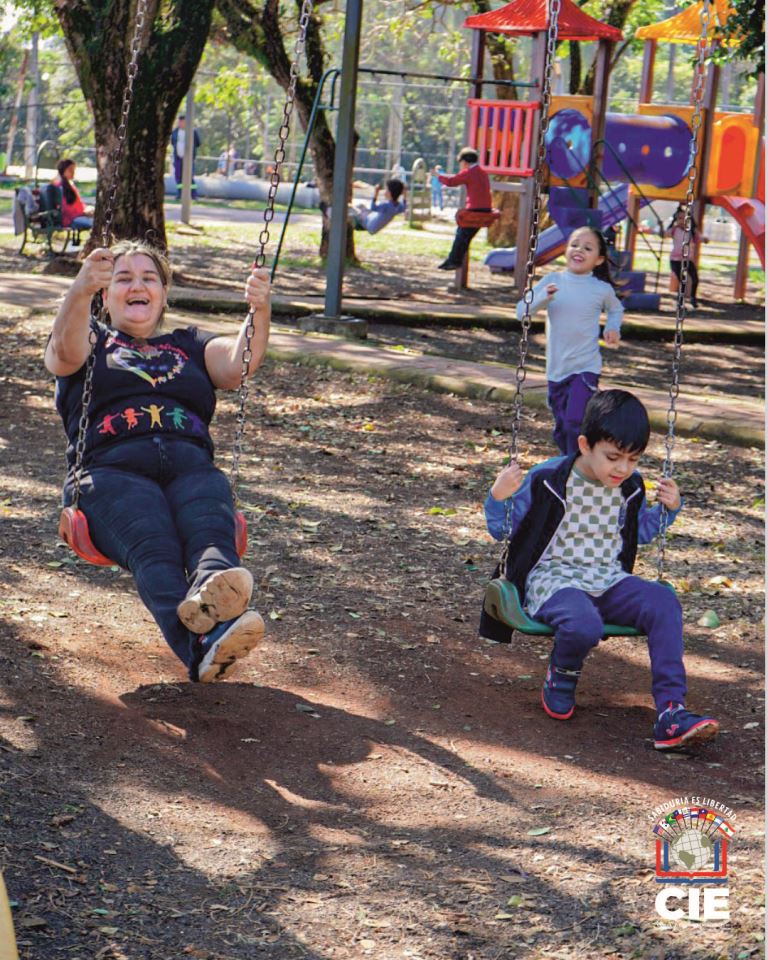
611, 208
648, 149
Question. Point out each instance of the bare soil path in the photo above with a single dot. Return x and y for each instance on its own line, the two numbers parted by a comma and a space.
375, 782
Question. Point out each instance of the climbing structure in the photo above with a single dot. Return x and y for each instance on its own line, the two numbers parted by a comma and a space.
603, 168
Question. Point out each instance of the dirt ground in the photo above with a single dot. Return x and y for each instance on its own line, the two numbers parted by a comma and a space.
375, 782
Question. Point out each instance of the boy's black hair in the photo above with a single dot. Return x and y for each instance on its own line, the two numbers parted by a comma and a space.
395, 188
603, 270
619, 417
469, 154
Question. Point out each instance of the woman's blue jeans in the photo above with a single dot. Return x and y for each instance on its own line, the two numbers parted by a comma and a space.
158, 507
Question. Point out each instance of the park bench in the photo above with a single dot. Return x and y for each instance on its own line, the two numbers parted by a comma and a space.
37, 218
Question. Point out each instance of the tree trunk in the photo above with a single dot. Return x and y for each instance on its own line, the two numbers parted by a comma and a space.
503, 232
615, 15
98, 38
258, 33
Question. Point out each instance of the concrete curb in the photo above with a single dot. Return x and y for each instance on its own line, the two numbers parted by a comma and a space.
697, 330
691, 422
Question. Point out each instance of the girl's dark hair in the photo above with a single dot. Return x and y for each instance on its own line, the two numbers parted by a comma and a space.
603, 270
673, 221
66, 187
619, 417
395, 188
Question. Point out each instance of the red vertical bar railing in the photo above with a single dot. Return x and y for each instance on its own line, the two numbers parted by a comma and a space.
505, 149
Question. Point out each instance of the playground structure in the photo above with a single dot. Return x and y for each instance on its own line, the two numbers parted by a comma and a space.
603, 168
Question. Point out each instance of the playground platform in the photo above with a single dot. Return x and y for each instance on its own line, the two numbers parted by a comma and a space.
727, 419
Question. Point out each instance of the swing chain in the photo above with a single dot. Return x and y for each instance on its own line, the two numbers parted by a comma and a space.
269, 213
82, 426
98, 307
690, 197
122, 129
533, 239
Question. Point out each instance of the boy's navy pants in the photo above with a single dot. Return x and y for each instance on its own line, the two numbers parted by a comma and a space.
577, 619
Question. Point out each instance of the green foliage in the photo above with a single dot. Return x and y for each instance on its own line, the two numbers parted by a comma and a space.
743, 36
36, 16
236, 103
229, 88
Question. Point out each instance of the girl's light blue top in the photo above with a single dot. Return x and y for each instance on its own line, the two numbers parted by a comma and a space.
573, 321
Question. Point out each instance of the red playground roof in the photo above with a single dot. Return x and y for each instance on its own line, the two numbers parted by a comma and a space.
522, 18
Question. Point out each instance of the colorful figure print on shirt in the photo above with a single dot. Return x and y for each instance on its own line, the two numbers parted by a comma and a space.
178, 415
196, 425
154, 362
131, 417
106, 424
154, 416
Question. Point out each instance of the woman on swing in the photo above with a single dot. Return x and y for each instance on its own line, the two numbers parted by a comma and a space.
155, 503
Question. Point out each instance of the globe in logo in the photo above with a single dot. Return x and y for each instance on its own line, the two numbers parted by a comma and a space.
693, 851
692, 860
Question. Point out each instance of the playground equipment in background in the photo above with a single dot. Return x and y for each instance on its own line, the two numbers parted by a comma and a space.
589, 149
569, 208
731, 145
419, 195
326, 96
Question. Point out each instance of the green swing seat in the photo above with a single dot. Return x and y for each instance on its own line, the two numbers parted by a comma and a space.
502, 602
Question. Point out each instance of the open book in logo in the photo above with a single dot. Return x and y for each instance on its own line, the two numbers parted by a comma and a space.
692, 846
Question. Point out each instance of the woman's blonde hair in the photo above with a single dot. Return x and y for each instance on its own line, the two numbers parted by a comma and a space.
129, 248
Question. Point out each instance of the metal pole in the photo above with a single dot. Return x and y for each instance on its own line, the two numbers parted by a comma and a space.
345, 150
33, 99
187, 165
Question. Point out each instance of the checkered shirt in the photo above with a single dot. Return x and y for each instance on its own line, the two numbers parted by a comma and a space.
584, 553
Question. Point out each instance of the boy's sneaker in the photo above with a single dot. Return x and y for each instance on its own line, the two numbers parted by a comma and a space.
226, 644
677, 726
558, 695
224, 596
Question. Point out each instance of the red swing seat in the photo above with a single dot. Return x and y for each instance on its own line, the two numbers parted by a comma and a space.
73, 530
477, 218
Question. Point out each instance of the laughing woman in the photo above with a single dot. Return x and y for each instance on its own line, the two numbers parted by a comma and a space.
154, 500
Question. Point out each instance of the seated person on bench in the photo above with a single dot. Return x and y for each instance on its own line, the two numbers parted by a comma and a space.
74, 213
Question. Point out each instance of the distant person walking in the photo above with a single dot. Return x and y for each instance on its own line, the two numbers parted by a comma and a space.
74, 213
227, 163
179, 146
676, 230
437, 187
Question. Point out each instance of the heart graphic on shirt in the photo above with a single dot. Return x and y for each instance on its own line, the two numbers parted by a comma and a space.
155, 363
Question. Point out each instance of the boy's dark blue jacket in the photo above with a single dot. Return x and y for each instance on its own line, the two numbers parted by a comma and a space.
537, 510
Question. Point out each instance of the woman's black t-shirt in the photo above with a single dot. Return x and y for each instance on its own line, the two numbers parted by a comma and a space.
141, 388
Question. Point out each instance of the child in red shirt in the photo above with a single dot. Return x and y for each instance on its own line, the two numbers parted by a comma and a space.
478, 186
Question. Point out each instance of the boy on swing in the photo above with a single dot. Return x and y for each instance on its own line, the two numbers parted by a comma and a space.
574, 526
